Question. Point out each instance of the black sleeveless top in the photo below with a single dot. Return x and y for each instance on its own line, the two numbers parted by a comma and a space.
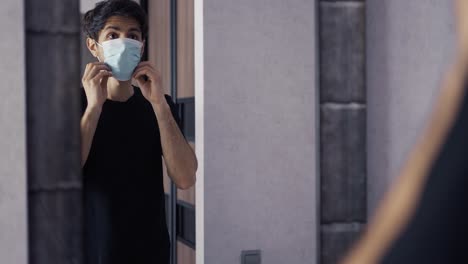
123, 185
437, 231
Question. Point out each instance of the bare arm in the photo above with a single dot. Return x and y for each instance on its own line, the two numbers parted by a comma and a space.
179, 156
89, 123
95, 85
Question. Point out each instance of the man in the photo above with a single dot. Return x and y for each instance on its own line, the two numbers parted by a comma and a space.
125, 130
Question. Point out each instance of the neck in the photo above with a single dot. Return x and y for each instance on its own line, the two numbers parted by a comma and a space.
119, 90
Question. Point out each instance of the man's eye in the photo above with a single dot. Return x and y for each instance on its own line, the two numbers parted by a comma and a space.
112, 36
133, 37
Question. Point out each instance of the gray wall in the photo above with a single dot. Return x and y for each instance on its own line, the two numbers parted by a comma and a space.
13, 212
260, 140
409, 46
86, 5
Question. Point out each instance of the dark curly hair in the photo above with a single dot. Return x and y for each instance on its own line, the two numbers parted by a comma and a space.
95, 19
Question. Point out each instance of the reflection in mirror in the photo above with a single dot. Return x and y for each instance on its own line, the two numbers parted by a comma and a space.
137, 134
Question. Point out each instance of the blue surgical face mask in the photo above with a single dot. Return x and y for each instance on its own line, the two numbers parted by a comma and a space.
122, 55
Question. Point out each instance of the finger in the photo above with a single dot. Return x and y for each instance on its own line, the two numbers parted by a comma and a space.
143, 72
140, 84
86, 71
100, 75
151, 72
96, 69
90, 66
139, 67
144, 64
140, 70
104, 82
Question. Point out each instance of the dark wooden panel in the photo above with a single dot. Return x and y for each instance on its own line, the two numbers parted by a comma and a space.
185, 49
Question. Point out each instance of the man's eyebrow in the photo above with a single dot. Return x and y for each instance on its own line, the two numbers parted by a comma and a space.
135, 29
112, 27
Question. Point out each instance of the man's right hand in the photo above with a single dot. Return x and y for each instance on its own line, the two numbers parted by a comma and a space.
94, 82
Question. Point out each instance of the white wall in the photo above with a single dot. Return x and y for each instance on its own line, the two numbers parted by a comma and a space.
86, 5
260, 141
409, 46
13, 194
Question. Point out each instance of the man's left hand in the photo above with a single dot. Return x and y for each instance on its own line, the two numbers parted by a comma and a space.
150, 86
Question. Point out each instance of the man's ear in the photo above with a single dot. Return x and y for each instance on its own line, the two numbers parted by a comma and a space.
92, 46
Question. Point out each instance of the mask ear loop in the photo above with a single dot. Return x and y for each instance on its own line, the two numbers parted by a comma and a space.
100, 45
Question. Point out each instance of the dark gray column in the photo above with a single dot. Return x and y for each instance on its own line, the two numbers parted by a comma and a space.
53, 83
342, 126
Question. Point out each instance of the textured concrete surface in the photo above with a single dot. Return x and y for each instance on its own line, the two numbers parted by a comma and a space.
342, 52
260, 140
54, 171
343, 163
343, 175
338, 238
